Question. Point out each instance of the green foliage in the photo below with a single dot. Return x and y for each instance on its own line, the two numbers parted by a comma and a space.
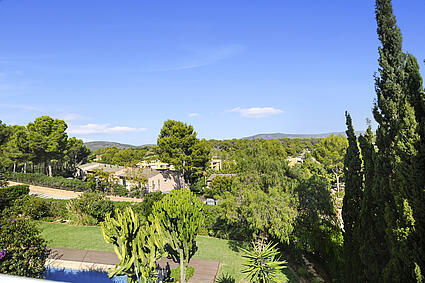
76, 152
47, 139
146, 206
175, 274
23, 251
317, 227
180, 216
303, 272
178, 145
138, 246
218, 186
123, 157
9, 194
90, 208
352, 205
330, 152
33, 207
263, 263
262, 199
52, 182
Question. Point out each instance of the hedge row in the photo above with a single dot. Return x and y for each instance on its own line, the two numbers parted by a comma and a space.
52, 182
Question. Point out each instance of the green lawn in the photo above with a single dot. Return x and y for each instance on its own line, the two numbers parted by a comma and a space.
90, 238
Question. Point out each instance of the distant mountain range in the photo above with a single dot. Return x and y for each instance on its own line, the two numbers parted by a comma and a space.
93, 145
297, 136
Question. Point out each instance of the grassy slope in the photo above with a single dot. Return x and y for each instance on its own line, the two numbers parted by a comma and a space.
90, 238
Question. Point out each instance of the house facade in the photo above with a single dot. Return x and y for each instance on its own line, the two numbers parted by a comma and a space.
155, 180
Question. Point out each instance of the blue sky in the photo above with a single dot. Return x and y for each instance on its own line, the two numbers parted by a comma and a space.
116, 70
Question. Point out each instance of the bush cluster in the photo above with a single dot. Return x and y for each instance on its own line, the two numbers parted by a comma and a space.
90, 208
23, 250
52, 182
41, 209
9, 194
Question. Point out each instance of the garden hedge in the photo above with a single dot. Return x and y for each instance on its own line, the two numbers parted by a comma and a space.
52, 182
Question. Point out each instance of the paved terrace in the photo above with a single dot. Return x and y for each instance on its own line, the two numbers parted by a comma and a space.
205, 270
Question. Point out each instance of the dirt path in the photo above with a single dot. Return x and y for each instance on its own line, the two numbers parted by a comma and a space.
45, 192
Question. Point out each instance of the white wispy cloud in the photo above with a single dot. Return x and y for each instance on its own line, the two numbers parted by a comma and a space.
193, 114
257, 112
205, 57
90, 129
73, 117
19, 107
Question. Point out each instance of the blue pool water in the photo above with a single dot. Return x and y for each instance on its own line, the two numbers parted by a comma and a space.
74, 275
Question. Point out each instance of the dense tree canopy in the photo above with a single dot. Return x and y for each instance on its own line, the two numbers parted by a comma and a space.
179, 146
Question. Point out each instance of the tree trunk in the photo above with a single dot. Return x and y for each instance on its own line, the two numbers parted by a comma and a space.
182, 268
50, 169
337, 181
14, 167
25, 167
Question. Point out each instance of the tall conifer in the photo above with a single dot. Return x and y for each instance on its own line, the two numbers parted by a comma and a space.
351, 204
369, 241
396, 140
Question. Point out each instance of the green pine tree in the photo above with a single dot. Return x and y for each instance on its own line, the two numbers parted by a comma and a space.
351, 205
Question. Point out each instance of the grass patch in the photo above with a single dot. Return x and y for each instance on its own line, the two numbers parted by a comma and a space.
90, 238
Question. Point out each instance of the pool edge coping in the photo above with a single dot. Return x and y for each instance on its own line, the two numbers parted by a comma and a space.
78, 265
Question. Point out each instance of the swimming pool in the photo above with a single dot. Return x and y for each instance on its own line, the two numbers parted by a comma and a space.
83, 276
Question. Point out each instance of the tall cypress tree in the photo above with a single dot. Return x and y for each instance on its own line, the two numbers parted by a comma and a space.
351, 205
388, 90
413, 86
370, 244
396, 140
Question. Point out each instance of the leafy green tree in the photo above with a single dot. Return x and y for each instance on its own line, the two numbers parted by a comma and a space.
316, 228
138, 245
12, 151
330, 152
218, 186
179, 146
47, 139
4, 136
352, 205
76, 152
261, 201
180, 216
4, 133
263, 264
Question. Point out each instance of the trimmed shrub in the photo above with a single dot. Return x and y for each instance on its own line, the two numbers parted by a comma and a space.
32, 207
23, 251
9, 194
52, 182
90, 208
40, 209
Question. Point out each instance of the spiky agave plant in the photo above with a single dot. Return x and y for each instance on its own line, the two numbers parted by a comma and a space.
263, 263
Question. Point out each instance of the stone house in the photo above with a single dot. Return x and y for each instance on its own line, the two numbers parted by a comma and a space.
156, 180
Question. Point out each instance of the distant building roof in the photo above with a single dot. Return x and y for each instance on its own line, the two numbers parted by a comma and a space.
147, 172
89, 167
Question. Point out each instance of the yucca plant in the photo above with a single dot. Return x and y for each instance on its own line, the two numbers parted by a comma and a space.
263, 263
